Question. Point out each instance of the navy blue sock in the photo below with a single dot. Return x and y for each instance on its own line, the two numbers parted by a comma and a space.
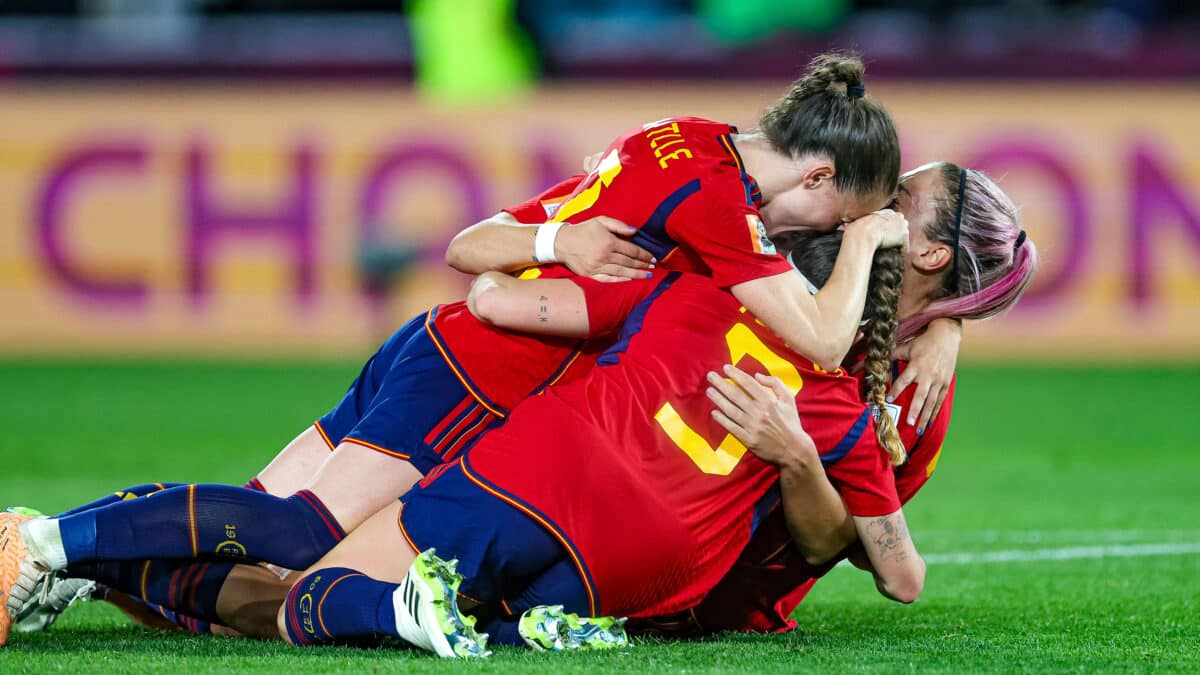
194, 521
185, 586
503, 632
339, 605
120, 496
147, 613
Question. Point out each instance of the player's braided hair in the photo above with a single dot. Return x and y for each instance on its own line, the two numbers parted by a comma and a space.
879, 335
813, 253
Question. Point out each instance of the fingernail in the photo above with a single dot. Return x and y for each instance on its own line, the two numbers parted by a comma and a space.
649, 275
921, 431
891, 399
712, 377
654, 260
711, 392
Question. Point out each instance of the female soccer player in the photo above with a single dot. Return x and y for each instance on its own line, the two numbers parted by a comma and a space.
952, 212
614, 493
827, 153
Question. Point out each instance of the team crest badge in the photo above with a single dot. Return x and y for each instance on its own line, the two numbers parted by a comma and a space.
763, 243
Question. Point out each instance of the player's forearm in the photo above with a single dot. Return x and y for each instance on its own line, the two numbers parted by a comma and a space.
899, 570
841, 300
542, 306
499, 243
816, 517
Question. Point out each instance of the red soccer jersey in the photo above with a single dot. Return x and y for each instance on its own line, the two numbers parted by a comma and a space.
681, 182
627, 467
501, 367
771, 577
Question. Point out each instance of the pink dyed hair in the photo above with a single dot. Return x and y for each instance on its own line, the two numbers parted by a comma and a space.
993, 272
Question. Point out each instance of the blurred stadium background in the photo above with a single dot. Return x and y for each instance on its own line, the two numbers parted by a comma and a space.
212, 211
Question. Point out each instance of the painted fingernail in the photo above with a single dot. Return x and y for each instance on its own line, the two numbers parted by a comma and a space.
891, 399
649, 275
921, 431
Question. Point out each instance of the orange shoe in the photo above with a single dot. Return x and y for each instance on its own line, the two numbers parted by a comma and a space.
12, 553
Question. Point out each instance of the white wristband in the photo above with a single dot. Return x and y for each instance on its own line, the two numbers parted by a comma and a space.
543, 242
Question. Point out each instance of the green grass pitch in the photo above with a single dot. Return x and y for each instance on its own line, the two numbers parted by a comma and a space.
1099, 463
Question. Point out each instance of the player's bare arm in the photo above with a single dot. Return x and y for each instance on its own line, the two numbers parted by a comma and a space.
596, 247
932, 357
823, 326
544, 306
760, 412
899, 570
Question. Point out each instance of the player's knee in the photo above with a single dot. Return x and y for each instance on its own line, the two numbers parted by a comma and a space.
316, 531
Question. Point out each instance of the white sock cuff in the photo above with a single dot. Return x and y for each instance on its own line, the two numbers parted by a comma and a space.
45, 544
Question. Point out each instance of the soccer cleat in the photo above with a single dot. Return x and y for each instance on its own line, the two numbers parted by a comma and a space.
19, 575
426, 610
54, 594
54, 597
549, 628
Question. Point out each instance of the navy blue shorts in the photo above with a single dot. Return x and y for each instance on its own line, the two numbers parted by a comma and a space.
408, 403
506, 558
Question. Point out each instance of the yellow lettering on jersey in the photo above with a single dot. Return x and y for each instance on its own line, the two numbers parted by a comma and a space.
663, 137
607, 170
658, 147
684, 152
531, 273
651, 130
743, 342
721, 461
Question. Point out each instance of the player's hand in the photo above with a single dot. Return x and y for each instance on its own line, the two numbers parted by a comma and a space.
598, 248
888, 228
761, 413
932, 357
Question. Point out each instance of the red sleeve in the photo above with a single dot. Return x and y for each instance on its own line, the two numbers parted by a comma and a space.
541, 208
865, 479
924, 453
609, 303
727, 233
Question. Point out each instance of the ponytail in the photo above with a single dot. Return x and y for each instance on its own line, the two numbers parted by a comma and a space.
828, 113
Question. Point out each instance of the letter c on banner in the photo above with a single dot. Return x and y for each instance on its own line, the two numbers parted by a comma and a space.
55, 197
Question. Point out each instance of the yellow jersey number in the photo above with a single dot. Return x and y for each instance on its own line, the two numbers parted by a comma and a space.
720, 461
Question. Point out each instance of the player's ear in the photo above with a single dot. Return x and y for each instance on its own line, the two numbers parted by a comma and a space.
933, 257
818, 174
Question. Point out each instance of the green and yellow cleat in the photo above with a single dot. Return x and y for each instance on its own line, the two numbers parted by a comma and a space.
427, 614
549, 628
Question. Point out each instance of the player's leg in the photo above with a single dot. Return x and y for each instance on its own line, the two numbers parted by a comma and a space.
199, 520
551, 614
366, 587
296, 464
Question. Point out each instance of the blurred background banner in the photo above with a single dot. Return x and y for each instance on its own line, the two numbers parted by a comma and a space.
304, 219
262, 177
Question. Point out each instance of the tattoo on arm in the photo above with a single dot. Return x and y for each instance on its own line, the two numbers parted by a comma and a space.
543, 309
890, 534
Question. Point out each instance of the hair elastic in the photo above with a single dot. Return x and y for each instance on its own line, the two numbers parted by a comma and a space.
1020, 240
962, 186
855, 91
